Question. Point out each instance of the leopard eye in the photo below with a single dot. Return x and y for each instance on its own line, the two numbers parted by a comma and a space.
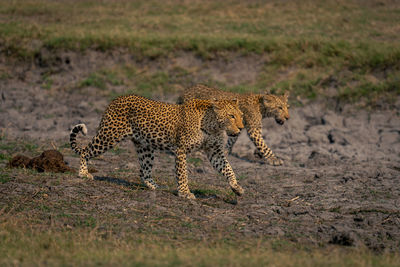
232, 116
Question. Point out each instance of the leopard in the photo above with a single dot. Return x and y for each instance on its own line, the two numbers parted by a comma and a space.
255, 107
175, 128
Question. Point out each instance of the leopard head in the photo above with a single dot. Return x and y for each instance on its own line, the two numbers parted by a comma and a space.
275, 106
228, 115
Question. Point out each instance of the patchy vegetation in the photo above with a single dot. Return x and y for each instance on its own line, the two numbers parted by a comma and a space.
346, 49
334, 202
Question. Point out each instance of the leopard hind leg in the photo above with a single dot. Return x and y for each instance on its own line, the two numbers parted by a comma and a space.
105, 139
146, 158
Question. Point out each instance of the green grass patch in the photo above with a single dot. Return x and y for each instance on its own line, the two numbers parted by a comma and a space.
4, 177
101, 79
150, 84
372, 91
89, 221
195, 161
118, 151
206, 192
153, 28
8, 147
4, 75
4, 157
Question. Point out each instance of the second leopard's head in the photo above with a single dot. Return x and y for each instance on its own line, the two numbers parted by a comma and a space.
228, 115
275, 106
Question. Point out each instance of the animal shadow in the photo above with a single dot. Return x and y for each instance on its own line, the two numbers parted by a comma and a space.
122, 182
250, 158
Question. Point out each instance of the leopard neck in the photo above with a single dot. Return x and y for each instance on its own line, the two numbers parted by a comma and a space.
209, 122
266, 110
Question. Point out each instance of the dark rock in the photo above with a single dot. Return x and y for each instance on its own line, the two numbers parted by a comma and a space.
343, 239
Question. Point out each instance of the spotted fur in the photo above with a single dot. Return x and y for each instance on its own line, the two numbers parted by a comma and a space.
255, 107
196, 124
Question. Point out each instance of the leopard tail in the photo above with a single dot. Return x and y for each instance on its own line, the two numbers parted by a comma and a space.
72, 137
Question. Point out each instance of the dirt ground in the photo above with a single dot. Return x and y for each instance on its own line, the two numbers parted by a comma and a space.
339, 183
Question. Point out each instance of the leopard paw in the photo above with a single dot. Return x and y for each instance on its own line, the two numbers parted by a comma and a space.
275, 161
150, 184
86, 175
257, 154
187, 195
237, 189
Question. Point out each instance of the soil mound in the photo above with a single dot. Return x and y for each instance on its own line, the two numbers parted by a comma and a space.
19, 161
48, 161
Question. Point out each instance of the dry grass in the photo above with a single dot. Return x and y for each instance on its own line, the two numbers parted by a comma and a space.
92, 247
196, 25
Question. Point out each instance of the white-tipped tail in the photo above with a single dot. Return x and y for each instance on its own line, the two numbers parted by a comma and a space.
83, 128
72, 137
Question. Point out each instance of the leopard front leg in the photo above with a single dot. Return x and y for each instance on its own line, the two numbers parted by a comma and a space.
181, 175
263, 151
218, 160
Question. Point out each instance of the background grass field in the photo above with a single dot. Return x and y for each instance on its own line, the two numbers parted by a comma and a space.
318, 50
350, 47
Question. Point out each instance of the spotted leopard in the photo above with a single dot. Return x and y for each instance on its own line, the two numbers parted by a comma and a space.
196, 124
255, 107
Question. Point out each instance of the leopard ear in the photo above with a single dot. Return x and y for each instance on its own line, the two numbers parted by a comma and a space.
235, 101
215, 103
286, 95
266, 98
